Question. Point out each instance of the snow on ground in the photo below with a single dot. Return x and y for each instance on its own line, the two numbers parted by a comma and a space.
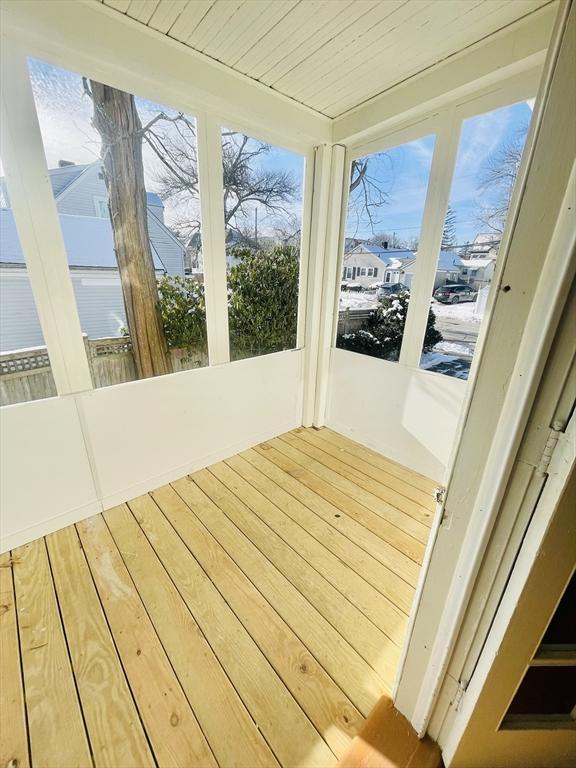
368, 300
352, 300
464, 311
455, 348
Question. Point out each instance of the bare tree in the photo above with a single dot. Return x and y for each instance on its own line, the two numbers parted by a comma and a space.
366, 194
246, 182
499, 176
116, 119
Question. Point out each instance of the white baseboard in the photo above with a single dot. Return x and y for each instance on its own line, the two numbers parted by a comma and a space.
44, 527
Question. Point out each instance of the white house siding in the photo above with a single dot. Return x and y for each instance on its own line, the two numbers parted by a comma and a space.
19, 324
360, 261
98, 298
78, 198
100, 302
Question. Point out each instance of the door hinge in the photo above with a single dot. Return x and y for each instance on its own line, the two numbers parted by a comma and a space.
556, 430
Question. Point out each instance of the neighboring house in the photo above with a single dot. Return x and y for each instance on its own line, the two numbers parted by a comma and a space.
81, 200
366, 263
447, 270
478, 261
477, 272
400, 268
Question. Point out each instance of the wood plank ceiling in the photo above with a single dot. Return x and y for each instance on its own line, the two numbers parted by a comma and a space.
330, 55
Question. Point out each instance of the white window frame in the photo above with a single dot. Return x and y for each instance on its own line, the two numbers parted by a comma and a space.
100, 200
80, 53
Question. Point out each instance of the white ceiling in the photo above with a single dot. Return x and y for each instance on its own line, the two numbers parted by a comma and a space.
331, 55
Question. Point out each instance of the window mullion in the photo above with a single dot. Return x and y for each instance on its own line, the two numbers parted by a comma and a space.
38, 226
213, 234
443, 163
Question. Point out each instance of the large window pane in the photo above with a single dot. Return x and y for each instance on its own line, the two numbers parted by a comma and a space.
385, 209
25, 372
487, 164
263, 187
124, 175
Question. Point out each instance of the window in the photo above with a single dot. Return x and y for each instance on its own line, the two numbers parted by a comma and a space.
101, 204
488, 159
385, 208
140, 305
263, 188
25, 372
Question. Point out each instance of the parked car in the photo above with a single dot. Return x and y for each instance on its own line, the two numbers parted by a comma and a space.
375, 286
389, 288
453, 294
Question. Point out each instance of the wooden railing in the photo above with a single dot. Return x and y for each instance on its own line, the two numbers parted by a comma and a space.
25, 374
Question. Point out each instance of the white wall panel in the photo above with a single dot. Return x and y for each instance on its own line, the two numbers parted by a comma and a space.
410, 416
146, 433
46, 482
66, 458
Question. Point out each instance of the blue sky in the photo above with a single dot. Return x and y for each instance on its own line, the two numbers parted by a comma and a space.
403, 173
65, 115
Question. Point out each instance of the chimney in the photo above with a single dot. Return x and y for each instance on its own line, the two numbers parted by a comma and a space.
64, 163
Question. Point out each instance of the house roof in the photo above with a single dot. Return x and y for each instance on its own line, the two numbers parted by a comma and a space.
62, 177
475, 263
88, 241
382, 253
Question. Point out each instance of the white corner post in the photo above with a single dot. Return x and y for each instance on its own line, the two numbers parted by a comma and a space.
38, 226
337, 200
437, 196
316, 255
213, 237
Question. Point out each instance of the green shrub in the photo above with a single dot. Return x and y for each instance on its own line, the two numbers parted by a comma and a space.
263, 300
183, 311
384, 329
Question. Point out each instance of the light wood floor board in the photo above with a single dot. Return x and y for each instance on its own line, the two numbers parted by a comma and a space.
306, 558
213, 698
364, 527
402, 531
114, 728
342, 615
251, 614
287, 602
170, 723
348, 539
412, 501
55, 723
247, 666
362, 582
375, 459
14, 741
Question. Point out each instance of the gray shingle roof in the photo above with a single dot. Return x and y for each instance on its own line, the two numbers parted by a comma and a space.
88, 241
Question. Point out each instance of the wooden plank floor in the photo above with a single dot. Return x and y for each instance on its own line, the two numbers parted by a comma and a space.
250, 614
